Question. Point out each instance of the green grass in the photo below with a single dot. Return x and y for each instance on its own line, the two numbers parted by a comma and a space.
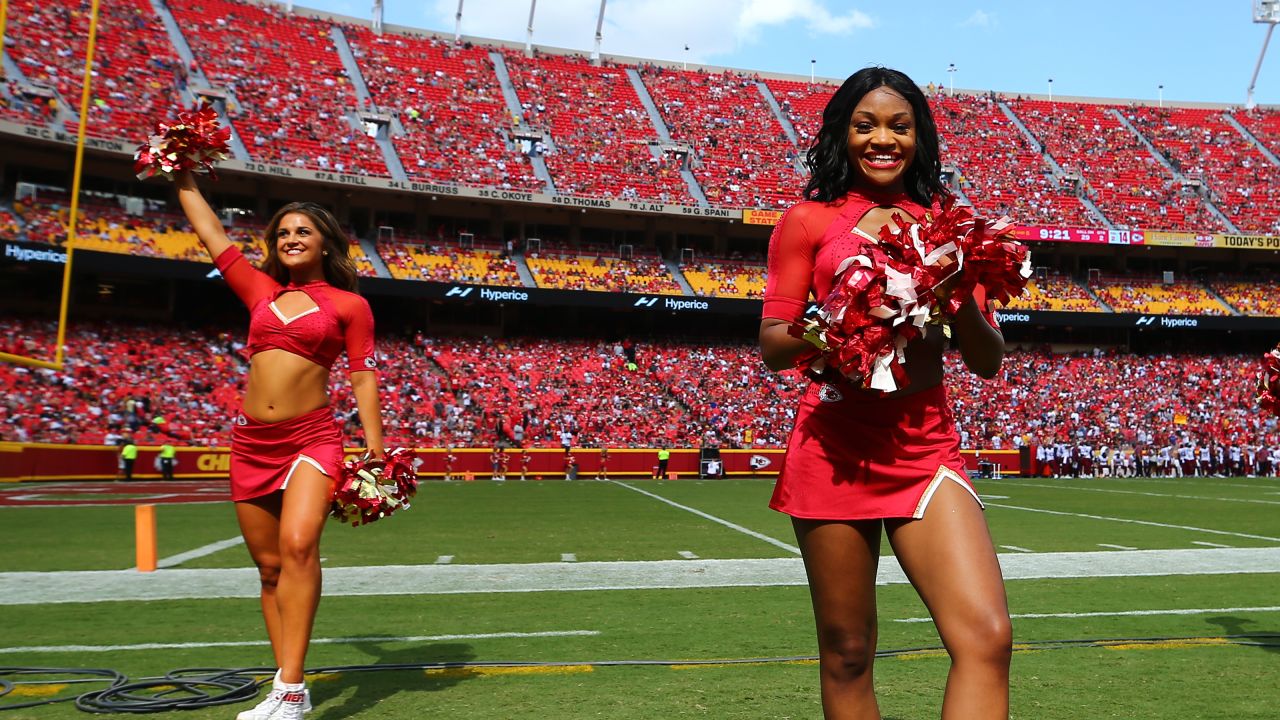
483, 523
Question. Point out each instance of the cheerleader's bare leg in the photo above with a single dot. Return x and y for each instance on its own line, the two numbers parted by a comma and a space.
840, 559
283, 532
950, 559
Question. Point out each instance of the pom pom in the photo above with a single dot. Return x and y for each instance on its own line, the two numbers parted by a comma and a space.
372, 489
1269, 383
194, 142
919, 273
990, 256
863, 326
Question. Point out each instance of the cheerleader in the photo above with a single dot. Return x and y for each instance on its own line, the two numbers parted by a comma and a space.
286, 448
859, 462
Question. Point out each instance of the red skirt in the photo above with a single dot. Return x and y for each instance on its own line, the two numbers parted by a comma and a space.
855, 456
265, 455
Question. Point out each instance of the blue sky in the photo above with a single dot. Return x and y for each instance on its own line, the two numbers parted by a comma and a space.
1199, 51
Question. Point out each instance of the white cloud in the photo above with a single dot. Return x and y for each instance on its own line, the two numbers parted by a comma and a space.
646, 28
760, 14
979, 18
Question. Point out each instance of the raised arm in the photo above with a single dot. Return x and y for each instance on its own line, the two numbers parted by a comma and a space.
202, 217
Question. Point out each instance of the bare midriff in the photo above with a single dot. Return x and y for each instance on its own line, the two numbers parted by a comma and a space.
282, 385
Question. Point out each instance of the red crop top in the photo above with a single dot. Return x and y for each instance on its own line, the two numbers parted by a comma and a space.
340, 318
809, 243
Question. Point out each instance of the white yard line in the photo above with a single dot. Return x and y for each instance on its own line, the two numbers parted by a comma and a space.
211, 548
314, 641
1015, 548
1209, 544
444, 560
1148, 494
713, 518
568, 557
1116, 547
27, 588
1152, 523
688, 555
1121, 613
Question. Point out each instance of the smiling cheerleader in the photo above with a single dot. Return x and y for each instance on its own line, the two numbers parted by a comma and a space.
286, 449
879, 451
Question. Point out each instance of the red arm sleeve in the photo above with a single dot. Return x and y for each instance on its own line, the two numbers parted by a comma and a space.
249, 283
358, 333
790, 269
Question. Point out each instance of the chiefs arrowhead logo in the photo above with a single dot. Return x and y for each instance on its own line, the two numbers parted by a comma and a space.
759, 462
829, 394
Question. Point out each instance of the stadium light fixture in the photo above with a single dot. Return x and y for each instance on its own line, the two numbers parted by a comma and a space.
1050, 89
813, 67
595, 56
457, 23
1160, 90
951, 85
528, 38
1268, 12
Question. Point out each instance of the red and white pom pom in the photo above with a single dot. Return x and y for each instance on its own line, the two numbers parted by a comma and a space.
918, 273
373, 489
194, 142
987, 253
878, 305
1269, 383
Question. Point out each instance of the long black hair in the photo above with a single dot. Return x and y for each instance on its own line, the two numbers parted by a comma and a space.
831, 173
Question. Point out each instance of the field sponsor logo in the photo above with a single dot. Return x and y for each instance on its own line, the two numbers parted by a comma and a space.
23, 254
458, 291
645, 302
1145, 320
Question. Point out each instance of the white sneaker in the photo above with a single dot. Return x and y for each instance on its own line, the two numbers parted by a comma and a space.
284, 702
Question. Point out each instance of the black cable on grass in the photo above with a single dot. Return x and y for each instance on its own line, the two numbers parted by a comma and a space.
7, 686
187, 689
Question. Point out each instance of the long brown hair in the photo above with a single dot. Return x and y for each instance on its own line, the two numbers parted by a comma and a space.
339, 268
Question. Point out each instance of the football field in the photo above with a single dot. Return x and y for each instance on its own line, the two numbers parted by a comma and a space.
1131, 598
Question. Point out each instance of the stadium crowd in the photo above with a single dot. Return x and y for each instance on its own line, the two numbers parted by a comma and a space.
155, 383
288, 94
